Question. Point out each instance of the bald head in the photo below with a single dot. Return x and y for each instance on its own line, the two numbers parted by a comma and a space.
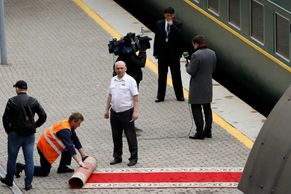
120, 63
120, 68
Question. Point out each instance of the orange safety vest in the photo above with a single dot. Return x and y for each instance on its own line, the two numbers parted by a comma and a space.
49, 144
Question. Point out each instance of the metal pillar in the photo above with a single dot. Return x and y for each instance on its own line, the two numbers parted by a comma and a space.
2, 35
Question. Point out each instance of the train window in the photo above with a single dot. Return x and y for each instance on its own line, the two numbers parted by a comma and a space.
282, 36
234, 12
257, 21
213, 6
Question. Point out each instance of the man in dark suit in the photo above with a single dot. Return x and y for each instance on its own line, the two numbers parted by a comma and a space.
201, 68
167, 49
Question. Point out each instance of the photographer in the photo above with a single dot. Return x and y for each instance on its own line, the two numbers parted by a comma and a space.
132, 50
134, 63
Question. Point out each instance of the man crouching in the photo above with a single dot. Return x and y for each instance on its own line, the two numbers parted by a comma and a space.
57, 140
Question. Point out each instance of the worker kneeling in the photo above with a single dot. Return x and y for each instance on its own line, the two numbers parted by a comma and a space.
59, 139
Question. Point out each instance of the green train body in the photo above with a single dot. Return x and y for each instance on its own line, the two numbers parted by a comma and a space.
254, 64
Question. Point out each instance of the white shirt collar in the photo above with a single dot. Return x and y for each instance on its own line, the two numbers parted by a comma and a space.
121, 79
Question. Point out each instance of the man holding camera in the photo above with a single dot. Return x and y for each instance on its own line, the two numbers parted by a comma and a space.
168, 50
134, 62
131, 49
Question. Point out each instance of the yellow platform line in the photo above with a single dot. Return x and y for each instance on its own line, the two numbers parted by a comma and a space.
153, 67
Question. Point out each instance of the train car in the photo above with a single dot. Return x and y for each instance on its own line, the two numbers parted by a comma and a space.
251, 38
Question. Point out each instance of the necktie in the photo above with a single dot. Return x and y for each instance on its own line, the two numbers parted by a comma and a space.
168, 29
167, 32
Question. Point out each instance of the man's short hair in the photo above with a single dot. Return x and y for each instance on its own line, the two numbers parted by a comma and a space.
199, 39
169, 10
120, 62
76, 116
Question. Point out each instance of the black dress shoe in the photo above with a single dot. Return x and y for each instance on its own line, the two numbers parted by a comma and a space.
28, 187
159, 100
197, 136
6, 182
18, 169
180, 99
208, 135
116, 161
64, 170
132, 163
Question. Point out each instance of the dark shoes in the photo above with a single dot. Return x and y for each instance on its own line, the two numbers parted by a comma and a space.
208, 134
180, 99
64, 170
28, 188
159, 100
6, 182
18, 169
205, 134
132, 163
119, 160
10, 183
197, 136
116, 161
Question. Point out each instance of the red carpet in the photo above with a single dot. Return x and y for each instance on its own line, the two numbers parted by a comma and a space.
165, 177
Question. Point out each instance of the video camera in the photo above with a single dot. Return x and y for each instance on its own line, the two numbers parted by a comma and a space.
128, 44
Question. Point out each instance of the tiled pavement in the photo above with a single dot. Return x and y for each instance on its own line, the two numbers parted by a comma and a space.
62, 54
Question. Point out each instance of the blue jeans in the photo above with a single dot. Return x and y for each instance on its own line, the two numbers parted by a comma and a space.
16, 141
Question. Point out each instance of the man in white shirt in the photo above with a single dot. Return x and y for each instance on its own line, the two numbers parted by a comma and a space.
122, 101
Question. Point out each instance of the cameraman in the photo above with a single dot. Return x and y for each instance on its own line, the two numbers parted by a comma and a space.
134, 62
132, 50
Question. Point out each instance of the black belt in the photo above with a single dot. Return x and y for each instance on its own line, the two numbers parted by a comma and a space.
122, 111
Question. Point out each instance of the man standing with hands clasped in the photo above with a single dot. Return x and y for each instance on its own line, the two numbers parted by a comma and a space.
168, 50
201, 68
122, 101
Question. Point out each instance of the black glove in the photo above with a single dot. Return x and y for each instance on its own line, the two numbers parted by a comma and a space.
84, 158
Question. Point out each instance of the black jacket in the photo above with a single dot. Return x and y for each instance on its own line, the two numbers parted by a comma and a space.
133, 63
171, 49
12, 111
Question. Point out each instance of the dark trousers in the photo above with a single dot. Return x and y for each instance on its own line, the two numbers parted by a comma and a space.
45, 167
198, 117
163, 65
119, 122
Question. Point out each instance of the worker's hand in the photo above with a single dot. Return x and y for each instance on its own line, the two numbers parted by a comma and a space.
81, 164
84, 158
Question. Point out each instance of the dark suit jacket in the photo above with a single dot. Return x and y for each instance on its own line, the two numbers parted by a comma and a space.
171, 49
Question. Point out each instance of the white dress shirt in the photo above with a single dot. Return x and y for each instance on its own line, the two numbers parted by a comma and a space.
122, 92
